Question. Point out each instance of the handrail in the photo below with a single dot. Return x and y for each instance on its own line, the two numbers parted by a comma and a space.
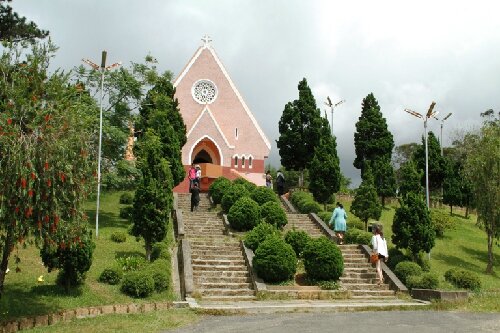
322, 225
187, 282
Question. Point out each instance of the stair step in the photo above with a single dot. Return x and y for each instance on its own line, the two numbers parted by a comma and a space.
365, 286
221, 274
219, 268
229, 298
221, 256
214, 262
223, 286
223, 280
226, 292
372, 293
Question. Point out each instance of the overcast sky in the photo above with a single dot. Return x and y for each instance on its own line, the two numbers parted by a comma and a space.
408, 53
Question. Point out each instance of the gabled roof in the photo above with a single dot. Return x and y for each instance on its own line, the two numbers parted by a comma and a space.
205, 112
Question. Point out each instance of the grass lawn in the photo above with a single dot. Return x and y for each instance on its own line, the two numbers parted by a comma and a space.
24, 296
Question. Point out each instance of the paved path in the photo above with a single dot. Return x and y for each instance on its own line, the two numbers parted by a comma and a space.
345, 322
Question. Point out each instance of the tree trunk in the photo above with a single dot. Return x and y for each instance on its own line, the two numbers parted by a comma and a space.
366, 225
5, 258
451, 210
301, 179
466, 212
383, 201
489, 267
149, 249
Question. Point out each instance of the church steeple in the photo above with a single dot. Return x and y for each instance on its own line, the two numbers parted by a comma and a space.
206, 40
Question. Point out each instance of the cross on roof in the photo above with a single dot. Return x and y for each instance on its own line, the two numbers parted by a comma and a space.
206, 40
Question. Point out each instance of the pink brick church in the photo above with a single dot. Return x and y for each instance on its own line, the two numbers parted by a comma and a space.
223, 136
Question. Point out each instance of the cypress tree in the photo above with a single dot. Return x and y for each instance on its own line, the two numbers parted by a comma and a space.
366, 204
437, 164
410, 179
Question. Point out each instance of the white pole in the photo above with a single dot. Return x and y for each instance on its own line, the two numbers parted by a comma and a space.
99, 158
426, 164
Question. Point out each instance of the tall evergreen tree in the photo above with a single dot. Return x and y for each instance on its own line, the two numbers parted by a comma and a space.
299, 128
14, 28
437, 164
373, 141
410, 179
452, 185
324, 169
366, 204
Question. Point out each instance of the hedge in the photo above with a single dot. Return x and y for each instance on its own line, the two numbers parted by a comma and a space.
259, 234
244, 214
323, 260
273, 213
275, 260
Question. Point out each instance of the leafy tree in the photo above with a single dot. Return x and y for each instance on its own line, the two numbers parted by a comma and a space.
345, 183
452, 185
403, 153
412, 226
299, 128
437, 164
373, 142
14, 28
324, 168
366, 204
153, 198
47, 152
482, 167
410, 179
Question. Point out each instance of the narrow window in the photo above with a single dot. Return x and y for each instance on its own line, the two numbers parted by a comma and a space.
243, 162
250, 162
236, 161
236, 133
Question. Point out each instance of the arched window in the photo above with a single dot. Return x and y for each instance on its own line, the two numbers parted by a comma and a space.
236, 161
243, 161
250, 160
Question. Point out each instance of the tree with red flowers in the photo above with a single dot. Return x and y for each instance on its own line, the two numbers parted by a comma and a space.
46, 153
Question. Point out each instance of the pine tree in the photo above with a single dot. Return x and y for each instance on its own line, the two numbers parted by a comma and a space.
324, 169
410, 179
437, 164
366, 204
412, 226
373, 142
452, 185
14, 28
299, 128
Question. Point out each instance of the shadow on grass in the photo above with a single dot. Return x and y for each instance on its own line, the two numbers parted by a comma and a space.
456, 261
461, 216
480, 255
107, 220
124, 254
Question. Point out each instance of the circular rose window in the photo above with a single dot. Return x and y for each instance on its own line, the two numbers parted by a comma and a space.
204, 91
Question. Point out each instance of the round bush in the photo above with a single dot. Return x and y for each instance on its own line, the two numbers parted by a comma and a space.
424, 281
244, 214
126, 198
259, 234
355, 223
119, 237
160, 251
309, 206
218, 188
298, 239
232, 195
263, 194
325, 216
126, 212
112, 275
356, 236
275, 260
160, 272
323, 260
463, 279
297, 196
407, 268
441, 222
248, 185
273, 214
138, 284
424, 262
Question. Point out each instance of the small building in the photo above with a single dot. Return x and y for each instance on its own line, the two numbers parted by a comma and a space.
223, 136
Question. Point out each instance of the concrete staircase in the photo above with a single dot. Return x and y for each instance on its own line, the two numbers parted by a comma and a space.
219, 269
302, 222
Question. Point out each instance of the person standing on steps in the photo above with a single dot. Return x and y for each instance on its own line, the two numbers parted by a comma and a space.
280, 183
195, 197
198, 175
269, 179
191, 176
379, 246
338, 222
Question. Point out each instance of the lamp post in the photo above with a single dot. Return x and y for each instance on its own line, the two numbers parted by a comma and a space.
430, 114
332, 106
442, 122
102, 69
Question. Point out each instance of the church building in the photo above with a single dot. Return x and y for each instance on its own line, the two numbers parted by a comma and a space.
223, 136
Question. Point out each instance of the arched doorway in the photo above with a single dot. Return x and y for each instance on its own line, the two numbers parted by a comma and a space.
202, 157
206, 151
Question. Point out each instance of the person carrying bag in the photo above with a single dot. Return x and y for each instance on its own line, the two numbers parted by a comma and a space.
379, 252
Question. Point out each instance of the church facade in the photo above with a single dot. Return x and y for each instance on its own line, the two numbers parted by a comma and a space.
223, 136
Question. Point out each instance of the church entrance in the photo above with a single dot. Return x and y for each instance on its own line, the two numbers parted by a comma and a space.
206, 151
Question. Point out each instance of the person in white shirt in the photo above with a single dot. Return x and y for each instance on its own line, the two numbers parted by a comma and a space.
379, 246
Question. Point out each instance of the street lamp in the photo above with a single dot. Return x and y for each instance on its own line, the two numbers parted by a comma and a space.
430, 114
102, 69
332, 106
442, 122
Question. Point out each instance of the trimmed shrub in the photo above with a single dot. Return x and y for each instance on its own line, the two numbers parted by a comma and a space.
244, 214
356, 236
298, 196
126, 212
218, 188
138, 284
259, 234
407, 268
232, 195
160, 272
263, 194
119, 237
160, 250
131, 263
463, 279
424, 281
248, 185
323, 260
111, 275
127, 198
424, 262
395, 257
441, 222
325, 216
309, 206
275, 260
298, 239
353, 222
273, 214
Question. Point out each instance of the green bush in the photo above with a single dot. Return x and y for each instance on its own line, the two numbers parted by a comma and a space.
273, 213
309, 206
259, 234
407, 268
124, 176
441, 222
127, 198
298, 239
160, 271
275, 260
138, 284
353, 222
111, 275
325, 216
263, 194
126, 212
131, 263
160, 250
424, 262
298, 196
248, 185
323, 260
218, 188
232, 195
244, 214
463, 279
424, 281
119, 237
356, 236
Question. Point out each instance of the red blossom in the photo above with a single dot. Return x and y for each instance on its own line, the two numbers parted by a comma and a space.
23, 182
46, 219
33, 176
49, 182
9, 121
46, 166
29, 212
